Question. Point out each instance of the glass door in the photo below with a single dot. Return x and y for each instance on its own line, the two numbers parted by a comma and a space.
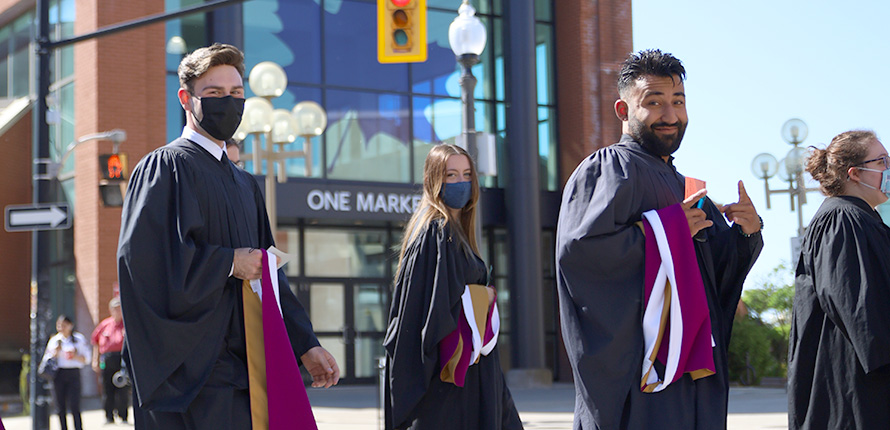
349, 317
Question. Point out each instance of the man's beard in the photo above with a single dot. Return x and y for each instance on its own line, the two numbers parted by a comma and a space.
656, 145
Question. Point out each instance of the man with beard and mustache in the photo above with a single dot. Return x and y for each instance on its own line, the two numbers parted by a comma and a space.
649, 280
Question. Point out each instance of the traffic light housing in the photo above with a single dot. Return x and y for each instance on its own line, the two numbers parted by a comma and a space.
401, 31
112, 186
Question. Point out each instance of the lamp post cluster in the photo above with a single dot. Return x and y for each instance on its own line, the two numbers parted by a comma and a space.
790, 169
272, 129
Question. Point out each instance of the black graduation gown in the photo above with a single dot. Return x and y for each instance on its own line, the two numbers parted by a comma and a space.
838, 373
184, 214
425, 309
600, 275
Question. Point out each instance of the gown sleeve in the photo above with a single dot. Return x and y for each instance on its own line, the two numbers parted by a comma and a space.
426, 302
733, 256
170, 283
600, 262
853, 287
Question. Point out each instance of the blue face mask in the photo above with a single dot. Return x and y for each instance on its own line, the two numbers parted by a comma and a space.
885, 180
456, 195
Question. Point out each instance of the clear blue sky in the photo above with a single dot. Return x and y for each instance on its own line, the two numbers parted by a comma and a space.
752, 65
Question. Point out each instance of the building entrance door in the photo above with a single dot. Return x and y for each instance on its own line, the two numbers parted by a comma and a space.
349, 316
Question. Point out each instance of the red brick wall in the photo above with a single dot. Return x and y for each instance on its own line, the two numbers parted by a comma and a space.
15, 265
592, 39
120, 83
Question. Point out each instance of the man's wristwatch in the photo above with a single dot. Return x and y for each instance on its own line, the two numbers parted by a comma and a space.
756, 232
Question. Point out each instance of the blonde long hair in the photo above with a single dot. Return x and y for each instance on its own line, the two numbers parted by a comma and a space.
432, 208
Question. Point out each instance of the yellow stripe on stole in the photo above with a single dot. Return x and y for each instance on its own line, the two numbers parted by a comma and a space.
479, 297
665, 312
447, 373
256, 358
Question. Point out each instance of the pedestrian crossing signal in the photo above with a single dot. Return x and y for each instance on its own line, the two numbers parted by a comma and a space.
113, 166
401, 31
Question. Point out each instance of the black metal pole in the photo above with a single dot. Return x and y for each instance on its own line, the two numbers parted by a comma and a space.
467, 86
40, 280
523, 192
139, 22
468, 120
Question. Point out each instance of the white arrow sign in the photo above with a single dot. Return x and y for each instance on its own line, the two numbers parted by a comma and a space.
53, 216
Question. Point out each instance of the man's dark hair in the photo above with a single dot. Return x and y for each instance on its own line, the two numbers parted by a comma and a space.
651, 62
196, 64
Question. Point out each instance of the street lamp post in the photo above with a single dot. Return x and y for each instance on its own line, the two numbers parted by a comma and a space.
789, 169
467, 38
276, 128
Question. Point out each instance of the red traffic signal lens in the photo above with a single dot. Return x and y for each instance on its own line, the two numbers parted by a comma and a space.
400, 18
400, 3
400, 38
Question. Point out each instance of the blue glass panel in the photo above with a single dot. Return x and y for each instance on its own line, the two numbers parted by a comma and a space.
497, 48
481, 6
544, 63
543, 10
423, 119
350, 50
441, 65
547, 152
287, 33
175, 114
367, 136
297, 166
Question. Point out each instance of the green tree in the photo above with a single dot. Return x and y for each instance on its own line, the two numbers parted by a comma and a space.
760, 339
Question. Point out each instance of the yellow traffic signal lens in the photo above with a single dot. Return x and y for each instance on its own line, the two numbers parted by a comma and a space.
400, 18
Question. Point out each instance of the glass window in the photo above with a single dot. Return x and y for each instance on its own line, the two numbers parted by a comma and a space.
356, 253
21, 60
438, 74
4, 76
287, 239
326, 306
496, 46
543, 10
544, 63
483, 7
175, 114
350, 51
367, 136
294, 42
547, 153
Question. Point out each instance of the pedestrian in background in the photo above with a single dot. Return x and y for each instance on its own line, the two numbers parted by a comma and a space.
839, 348
437, 378
108, 340
72, 352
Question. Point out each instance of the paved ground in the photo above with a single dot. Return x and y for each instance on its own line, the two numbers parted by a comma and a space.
355, 408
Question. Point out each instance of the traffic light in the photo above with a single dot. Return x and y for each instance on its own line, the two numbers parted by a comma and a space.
112, 186
401, 31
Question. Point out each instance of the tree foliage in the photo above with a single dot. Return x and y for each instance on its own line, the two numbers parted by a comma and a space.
760, 338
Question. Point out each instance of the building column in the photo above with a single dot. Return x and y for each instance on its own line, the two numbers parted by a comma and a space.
523, 191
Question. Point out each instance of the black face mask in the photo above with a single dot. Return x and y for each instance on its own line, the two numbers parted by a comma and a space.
222, 115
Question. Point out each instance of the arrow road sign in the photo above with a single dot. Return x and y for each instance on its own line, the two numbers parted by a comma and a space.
50, 216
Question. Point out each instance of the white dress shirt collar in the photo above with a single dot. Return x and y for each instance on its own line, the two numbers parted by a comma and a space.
210, 146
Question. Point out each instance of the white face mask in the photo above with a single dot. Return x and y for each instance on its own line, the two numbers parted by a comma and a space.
885, 180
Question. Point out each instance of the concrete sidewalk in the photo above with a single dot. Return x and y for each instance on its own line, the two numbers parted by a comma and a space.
355, 408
